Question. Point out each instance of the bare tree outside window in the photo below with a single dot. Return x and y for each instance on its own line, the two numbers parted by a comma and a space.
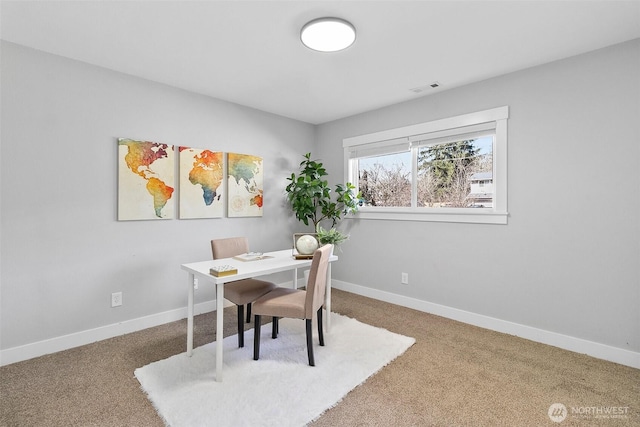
385, 186
445, 175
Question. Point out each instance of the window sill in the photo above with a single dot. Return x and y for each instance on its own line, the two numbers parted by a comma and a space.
463, 215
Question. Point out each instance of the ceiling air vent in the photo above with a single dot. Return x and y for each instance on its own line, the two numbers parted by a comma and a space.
423, 88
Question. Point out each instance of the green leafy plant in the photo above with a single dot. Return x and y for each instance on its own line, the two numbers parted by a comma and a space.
311, 197
332, 235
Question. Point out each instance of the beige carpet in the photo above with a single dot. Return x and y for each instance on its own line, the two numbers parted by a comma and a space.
454, 375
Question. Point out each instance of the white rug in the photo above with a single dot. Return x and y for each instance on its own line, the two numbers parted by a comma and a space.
280, 389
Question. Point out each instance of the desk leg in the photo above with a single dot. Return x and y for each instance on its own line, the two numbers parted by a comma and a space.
190, 315
295, 278
219, 331
327, 300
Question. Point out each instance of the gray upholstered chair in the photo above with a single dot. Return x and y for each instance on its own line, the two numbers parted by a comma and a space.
243, 291
296, 303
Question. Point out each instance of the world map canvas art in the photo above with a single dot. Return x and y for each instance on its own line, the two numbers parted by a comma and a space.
245, 185
145, 180
201, 183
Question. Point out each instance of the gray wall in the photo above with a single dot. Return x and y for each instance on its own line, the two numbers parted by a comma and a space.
568, 260
63, 251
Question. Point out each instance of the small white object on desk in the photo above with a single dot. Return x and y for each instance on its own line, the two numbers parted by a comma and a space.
306, 244
251, 256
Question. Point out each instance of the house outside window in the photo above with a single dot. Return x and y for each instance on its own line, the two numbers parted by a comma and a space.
481, 190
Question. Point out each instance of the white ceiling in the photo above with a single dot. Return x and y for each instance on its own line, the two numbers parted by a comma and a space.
248, 52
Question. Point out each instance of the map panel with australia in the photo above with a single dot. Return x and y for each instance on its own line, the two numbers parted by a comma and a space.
245, 185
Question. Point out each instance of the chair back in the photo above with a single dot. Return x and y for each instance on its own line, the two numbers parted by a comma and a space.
230, 247
317, 282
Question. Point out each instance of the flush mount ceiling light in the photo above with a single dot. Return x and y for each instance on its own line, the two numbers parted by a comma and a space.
328, 34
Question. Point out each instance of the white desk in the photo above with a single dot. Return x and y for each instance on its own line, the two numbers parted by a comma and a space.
280, 261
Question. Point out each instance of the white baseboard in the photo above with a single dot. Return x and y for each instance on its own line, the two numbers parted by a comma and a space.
65, 342
578, 345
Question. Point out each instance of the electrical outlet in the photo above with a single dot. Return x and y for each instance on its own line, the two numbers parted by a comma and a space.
195, 283
116, 299
405, 279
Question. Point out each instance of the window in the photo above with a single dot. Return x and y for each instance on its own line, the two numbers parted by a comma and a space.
447, 170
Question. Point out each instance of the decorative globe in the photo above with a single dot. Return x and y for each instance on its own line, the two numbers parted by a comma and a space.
306, 245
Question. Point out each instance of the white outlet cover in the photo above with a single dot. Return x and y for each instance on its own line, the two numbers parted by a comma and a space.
116, 299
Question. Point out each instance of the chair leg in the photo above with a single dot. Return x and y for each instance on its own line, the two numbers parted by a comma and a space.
310, 342
274, 328
249, 313
256, 337
320, 334
240, 325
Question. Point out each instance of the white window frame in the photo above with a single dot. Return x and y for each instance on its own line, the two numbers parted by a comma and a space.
415, 135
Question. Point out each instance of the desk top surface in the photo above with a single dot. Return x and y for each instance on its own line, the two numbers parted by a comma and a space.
278, 261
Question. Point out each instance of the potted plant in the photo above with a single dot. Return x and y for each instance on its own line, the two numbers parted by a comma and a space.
312, 200
332, 235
